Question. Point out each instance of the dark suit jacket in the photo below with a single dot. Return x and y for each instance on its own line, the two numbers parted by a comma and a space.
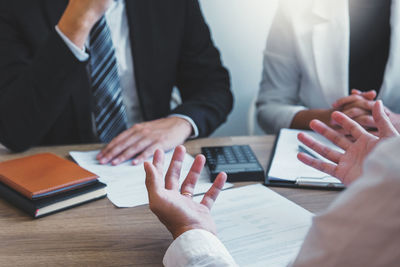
45, 96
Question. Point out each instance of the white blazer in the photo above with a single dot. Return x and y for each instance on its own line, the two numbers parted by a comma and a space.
306, 61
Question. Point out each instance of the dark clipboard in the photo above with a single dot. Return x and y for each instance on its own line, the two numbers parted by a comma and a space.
290, 184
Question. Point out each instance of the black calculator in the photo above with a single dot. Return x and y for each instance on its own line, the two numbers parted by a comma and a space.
238, 162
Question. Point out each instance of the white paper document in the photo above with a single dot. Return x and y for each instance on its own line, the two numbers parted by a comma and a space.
126, 183
259, 227
286, 166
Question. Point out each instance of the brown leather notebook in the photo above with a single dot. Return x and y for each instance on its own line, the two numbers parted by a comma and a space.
43, 175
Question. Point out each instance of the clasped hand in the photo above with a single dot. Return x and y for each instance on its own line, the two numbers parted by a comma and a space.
358, 106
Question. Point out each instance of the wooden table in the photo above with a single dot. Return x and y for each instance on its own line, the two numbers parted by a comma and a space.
99, 234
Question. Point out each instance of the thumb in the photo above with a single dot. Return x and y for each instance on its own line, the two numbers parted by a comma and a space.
383, 123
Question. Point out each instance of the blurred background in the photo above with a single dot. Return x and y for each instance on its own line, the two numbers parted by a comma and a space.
239, 29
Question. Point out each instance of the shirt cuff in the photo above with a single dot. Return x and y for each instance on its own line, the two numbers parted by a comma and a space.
197, 248
80, 54
194, 126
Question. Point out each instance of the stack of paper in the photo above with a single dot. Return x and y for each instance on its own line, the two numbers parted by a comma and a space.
126, 183
259, 227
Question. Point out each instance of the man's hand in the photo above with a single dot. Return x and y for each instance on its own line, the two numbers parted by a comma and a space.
358, 106
348, 166
175, 208
79, 18
143, 139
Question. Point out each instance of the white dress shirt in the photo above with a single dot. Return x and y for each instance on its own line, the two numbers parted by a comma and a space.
117, 21
360, 228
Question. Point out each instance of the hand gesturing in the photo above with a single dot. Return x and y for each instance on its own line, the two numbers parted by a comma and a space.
175, 208
346, 166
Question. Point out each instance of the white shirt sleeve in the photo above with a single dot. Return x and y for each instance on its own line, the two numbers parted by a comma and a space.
362, 227
194, 126
197, 248
80, 54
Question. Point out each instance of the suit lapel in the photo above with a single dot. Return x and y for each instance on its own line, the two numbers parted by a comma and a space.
139, 20
330, 45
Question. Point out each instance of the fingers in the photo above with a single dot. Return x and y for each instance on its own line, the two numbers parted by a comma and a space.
158, 160
117, 146
355, 92
362, 104
318, 147
318, 164
374, 133
153, 179
132, 149
383, 123
367, 121
370, 95
346, 100
194, 174
145, 154
356, 112
174, 170
211, 196
144, 138
332, 135
154, 172
352, 127
359, 99
103, 157
360, 110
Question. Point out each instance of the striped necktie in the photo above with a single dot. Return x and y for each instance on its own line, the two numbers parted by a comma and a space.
109, 110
